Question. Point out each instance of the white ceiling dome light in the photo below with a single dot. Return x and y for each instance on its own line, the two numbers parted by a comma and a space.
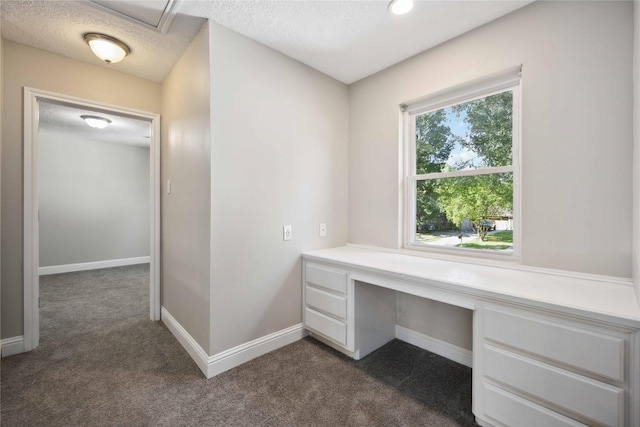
107, 48
400, 7
96, 122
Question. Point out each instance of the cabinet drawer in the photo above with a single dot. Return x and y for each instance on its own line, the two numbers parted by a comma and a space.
327, 326
587, 350
595, 400
335, 305
512, 410
332, 280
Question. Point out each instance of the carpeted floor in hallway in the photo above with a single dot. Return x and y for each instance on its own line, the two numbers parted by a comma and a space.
102, 362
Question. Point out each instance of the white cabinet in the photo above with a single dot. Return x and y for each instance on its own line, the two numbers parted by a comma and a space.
326, 310
597, 352
351, 317
327, 278
562, 370
512, 410
332, 304
326, 326
548, 349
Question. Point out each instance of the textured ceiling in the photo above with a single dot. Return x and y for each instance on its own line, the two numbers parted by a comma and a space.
58, 26
349, 40
346, 39
66, 120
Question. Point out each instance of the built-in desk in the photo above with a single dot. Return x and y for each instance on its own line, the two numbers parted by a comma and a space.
549, 348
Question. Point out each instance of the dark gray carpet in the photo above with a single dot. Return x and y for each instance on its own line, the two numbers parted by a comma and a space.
101, 362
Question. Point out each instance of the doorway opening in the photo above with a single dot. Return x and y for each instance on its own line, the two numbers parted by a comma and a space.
42, 108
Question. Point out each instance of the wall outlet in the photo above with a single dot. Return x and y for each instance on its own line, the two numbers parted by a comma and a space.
323, 230
286, 232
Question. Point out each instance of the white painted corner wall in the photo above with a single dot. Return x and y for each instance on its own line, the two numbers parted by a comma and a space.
279, 157
186, 209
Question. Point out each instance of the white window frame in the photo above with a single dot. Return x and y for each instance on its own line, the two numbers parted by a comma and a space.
509, 79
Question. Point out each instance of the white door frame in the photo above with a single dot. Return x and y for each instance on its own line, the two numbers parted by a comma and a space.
32, 97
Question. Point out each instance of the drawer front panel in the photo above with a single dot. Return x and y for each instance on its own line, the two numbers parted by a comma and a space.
325, 325
600, 402
512, 410
332, 280
335, 305
586, 350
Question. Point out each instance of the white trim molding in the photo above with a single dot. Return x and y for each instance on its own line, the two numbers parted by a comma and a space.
236, 356
502, 81
196, 352
94, 265
31, 274
13, 345
434, 345
31, 224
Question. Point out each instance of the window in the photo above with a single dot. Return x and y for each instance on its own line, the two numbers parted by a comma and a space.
461, 168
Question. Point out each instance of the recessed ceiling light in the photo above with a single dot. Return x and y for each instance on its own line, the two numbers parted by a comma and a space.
400, 7
96, 122
107, 48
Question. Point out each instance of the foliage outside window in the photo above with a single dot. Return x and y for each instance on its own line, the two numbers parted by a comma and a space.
461, 171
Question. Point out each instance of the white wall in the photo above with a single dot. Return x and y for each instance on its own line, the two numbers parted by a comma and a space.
279, 156
576, 135
576, 138
25, 66
251, 140
186, 161
94, 200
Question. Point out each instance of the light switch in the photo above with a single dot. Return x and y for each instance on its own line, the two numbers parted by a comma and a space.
323, 229
168, 186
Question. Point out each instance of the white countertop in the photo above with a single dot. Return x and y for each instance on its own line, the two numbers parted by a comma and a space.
615, 300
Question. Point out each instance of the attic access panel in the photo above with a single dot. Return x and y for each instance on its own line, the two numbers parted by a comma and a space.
157, 14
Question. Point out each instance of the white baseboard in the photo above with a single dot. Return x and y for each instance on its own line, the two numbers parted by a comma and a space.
223, 361
11, 346
193, 348
82, 266
434, 345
